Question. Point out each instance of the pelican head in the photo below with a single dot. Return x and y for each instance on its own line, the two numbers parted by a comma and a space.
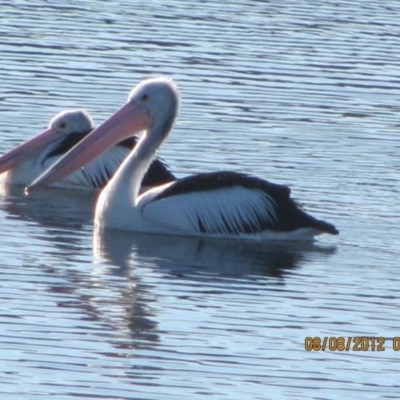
161, 98
61, 126
71, 121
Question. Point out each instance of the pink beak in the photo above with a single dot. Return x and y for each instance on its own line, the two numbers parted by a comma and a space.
126, 122
27, 149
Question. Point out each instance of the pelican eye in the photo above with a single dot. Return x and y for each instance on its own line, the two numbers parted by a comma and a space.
144, 98
62, 125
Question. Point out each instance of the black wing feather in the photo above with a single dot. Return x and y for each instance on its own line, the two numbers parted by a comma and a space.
289, 215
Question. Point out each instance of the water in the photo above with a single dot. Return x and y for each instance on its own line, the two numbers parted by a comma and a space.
299, 93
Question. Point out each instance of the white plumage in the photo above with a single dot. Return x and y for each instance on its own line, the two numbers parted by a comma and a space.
224, 211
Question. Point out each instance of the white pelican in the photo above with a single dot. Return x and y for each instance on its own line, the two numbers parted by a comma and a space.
218, 204
21, 165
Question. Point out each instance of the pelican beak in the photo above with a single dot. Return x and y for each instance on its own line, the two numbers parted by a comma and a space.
126, 122
27, 149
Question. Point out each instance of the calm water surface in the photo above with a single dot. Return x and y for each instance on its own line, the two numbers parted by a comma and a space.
298, 92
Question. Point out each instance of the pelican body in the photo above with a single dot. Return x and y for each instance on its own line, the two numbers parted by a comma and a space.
217, 204
21, 165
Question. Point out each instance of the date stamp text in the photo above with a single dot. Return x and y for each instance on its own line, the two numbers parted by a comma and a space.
351, 343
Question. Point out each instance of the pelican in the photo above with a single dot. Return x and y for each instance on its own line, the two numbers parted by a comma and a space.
21, 165
217, 204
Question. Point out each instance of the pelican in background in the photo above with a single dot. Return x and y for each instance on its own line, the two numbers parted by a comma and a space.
217, 204
21, 165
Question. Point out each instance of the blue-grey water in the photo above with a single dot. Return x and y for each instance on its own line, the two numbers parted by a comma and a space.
298, 92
